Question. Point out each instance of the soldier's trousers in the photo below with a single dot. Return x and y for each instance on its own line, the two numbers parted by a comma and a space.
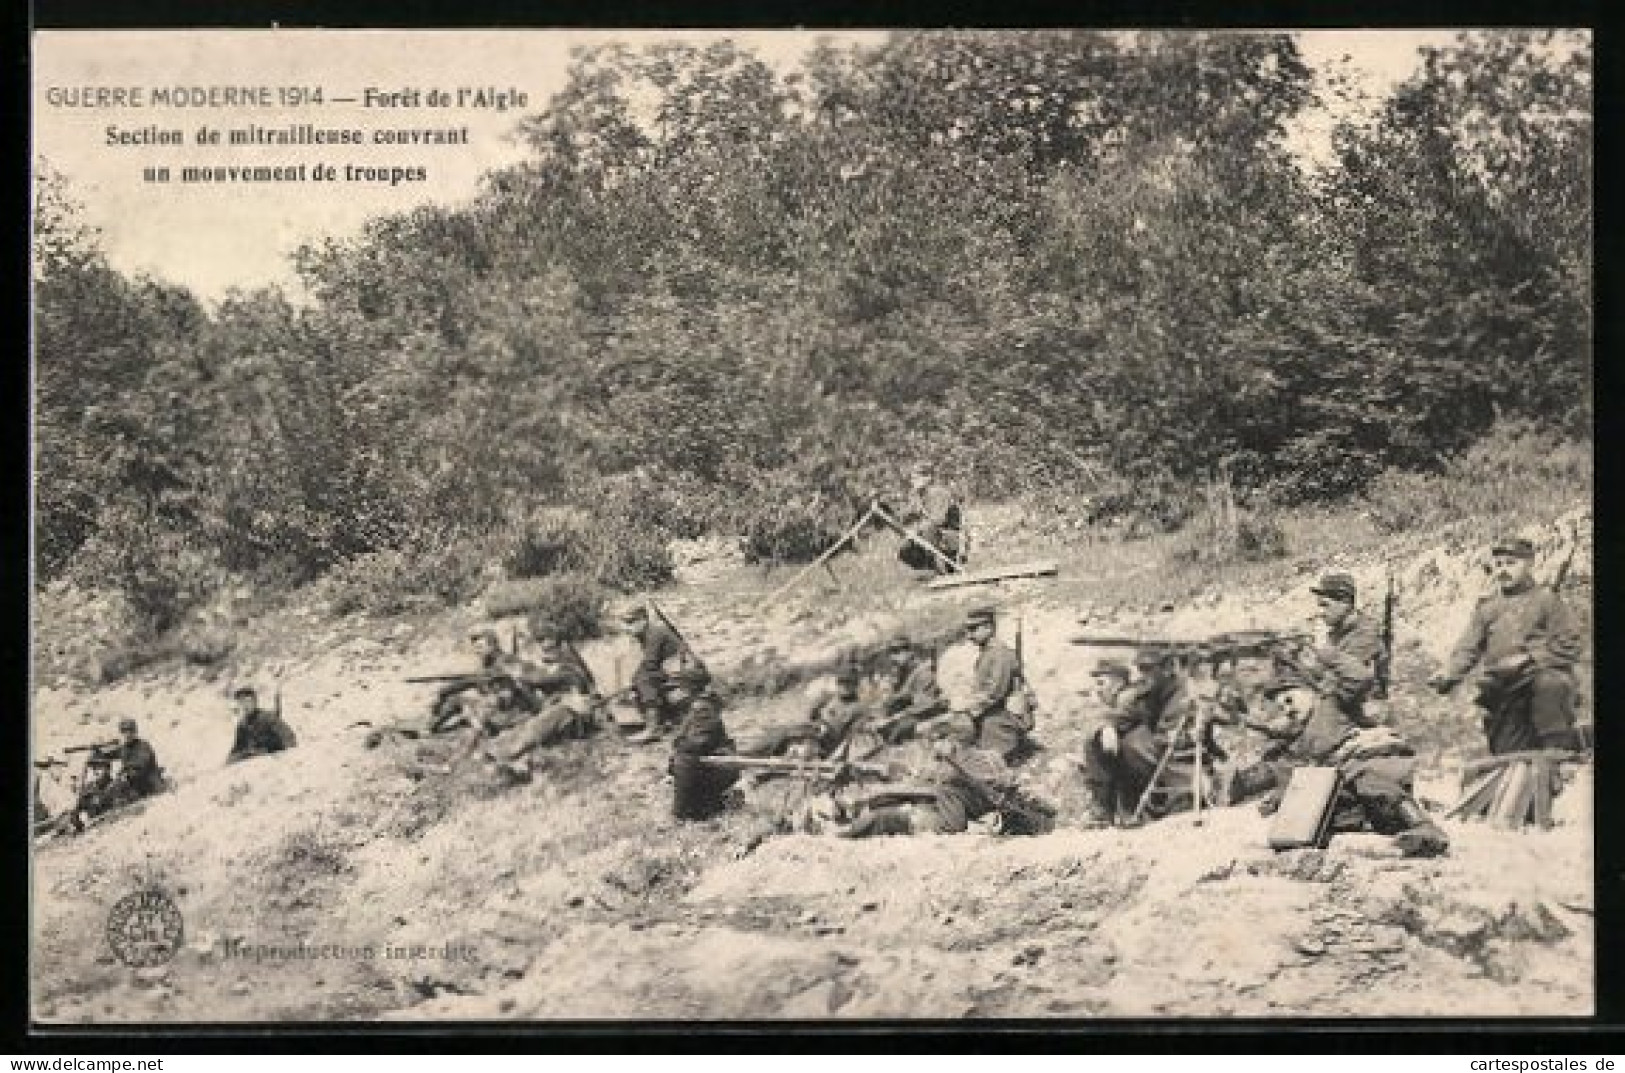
552, 724
1372, 797
998, 731
1538, 715
1118, 780
944, 816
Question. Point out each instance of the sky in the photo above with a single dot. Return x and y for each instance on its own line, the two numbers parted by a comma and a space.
212, 237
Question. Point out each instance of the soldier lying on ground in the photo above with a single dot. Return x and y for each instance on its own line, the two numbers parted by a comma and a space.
259, 732
699, 789
840, 727
1378, 767
1528, 642
548, 701
115, 776
963, 785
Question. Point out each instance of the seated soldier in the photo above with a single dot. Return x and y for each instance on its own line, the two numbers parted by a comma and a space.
1124, 755
1111, 678
259, 732
662, 656
931, 511
912, 695
959, 787
699, 789
998, 714
1378, 767
550, 698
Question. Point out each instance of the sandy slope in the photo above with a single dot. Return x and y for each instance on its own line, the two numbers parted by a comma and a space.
576, 896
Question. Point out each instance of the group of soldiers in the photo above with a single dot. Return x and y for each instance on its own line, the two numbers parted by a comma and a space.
118, 774
892, 753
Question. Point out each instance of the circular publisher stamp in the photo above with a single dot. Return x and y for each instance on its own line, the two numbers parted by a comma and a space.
145, 929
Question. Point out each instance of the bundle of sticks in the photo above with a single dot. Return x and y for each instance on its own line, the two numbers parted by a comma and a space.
1513, 790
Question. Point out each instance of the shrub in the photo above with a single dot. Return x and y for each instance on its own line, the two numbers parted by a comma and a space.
391, 581
550, 540
574, 602
787, 532
1259, 537
632, 560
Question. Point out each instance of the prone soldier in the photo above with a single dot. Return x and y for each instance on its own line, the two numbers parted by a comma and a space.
259, 732
551, 698
1527, 641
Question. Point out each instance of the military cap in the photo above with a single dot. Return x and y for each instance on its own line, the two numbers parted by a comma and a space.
126, 724
1283, 681
489, 636
899, 642
705, 700
693, 677
848, 671
632, 612
1336, 586
544, 627
243, 691
1113, 668
1518, 547
980, 614
1152, 655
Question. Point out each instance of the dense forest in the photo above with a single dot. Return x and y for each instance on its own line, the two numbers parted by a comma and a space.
717, 297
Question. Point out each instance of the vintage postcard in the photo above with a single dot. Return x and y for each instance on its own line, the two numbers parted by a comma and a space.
759, 526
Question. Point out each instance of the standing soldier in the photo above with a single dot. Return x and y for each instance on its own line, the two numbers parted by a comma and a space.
1527, 642
987, 721
259, 732
912, 695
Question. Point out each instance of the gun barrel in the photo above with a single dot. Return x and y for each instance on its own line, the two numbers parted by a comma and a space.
775, 763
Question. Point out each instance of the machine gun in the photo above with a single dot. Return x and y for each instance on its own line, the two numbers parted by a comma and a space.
1220, 649
685, 653
98, 750
821, 769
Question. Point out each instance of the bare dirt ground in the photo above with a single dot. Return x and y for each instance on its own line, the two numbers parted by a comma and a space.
577, 896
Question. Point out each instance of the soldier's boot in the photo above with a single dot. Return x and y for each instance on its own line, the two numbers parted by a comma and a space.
1101, 809
1419, 835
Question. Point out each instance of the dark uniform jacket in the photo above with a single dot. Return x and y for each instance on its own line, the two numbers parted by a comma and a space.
1533, 620
1348, 661
913, 692
138, 768
995, 676
660, 644
1157, 706
261, 732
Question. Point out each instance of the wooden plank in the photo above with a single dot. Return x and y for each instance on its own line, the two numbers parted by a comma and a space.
1512, 804
1545, 773
943, 560
822, 560
1040, 568
1473, 767
1476, 796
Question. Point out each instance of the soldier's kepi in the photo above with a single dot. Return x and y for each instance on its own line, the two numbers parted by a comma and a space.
1527, 642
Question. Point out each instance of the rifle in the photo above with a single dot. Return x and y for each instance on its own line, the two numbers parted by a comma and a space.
1383, 667
1563, 570
1021, 701
93, 747
827, 769
592, 679
686, 652
1220, 648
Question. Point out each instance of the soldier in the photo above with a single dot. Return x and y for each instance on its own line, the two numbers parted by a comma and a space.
259, 732
1378, 767
1124, 754
987, 720
553, 696
1102, 754
912, 695
959, 788
931, 511
660, 651
1343, 670
137, 776
1527, 641
839, 726
448, 703
699, 789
